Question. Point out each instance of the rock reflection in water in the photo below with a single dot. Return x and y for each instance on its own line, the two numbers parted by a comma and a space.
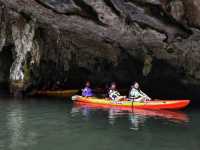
16, 122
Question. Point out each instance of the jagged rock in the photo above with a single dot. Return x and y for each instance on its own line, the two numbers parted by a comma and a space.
176, 9
22, 34
192, 8
3, 28
61, 6
69, 41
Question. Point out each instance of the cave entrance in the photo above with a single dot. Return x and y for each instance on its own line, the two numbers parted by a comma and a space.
6, 60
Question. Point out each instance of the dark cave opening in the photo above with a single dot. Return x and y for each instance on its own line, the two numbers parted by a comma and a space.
6, 60
166, 82
163, 82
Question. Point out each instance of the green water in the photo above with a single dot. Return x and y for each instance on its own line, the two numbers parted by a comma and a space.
43, 124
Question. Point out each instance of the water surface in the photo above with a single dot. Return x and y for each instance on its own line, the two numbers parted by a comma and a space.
55, 124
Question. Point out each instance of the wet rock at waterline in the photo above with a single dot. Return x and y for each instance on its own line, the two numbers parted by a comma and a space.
65, 42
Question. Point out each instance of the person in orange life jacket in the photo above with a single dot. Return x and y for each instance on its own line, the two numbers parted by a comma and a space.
87, 91
114, 94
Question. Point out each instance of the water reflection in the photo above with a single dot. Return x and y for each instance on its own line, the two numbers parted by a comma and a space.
15, 126
136, 117
136, 120
20, 137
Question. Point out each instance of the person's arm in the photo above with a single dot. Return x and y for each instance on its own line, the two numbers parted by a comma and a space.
145, 95
84, 92
110, 94
117, 93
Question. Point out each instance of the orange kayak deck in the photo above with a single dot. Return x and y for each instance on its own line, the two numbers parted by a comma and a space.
155, 104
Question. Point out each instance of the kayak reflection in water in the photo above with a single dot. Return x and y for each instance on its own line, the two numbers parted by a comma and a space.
114, 94
136, 120
87, 91
136, 93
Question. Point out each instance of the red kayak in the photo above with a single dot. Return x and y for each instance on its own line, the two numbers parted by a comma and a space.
167, 114
154, 104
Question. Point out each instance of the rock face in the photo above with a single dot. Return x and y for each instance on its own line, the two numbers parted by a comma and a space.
68, 41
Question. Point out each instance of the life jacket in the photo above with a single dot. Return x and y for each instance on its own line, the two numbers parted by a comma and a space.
135, 93
87, 92
113, 94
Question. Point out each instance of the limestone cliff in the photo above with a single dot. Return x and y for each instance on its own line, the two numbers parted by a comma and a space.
44, 42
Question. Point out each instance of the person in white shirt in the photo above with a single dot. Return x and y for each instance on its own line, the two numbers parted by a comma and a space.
114, 94
136, 93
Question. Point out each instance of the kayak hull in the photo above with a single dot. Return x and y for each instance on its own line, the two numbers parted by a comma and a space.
156, 104
167, 114
63, 93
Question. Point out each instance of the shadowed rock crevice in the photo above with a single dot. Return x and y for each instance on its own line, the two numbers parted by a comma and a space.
160, 11
6, 60
61, 6
72, 7
112, 6
154, 17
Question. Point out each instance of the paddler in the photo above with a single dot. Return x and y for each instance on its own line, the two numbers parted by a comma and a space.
136, 93
87, 91
114, 94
